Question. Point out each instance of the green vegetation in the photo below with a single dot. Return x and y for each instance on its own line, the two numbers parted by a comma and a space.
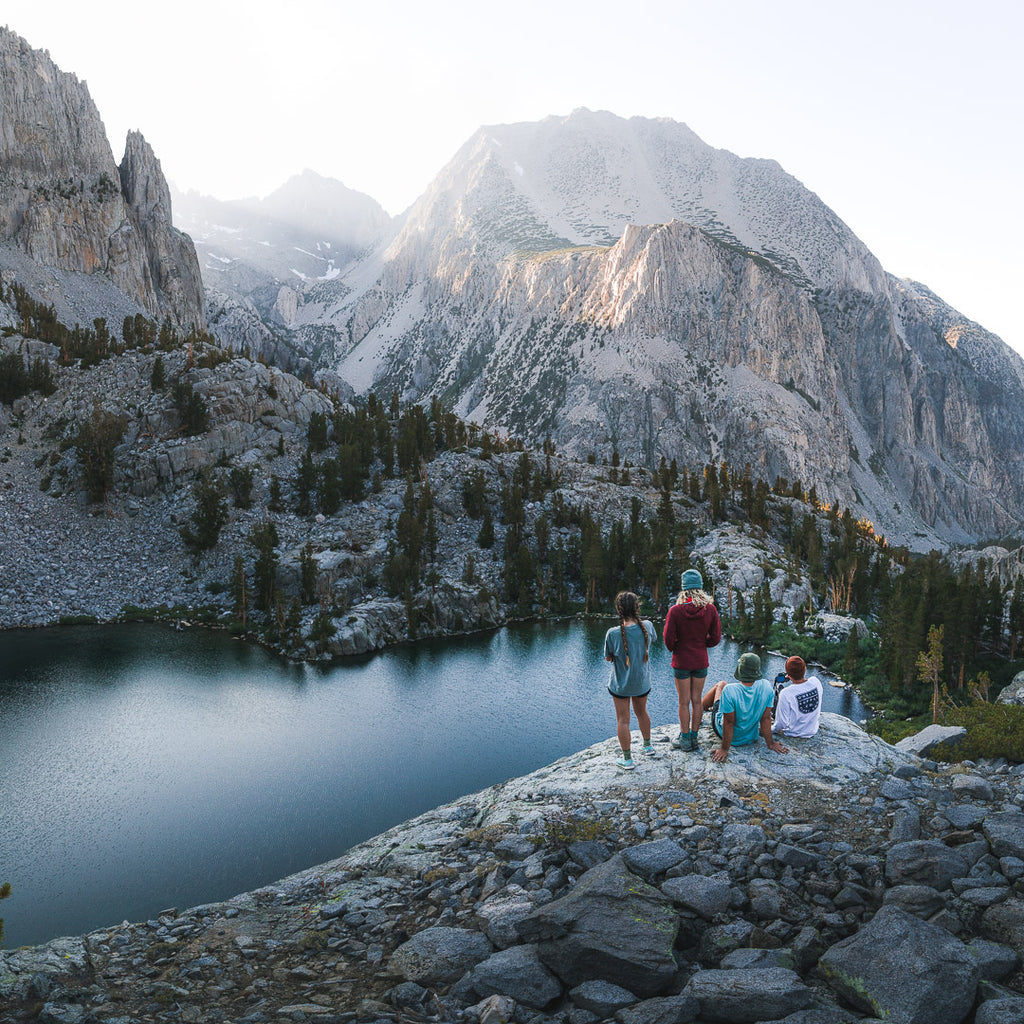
209, 516
96, 440
566, 829
993, 730
195, 417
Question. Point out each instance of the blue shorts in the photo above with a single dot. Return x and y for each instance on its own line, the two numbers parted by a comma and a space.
683, 673
631, 696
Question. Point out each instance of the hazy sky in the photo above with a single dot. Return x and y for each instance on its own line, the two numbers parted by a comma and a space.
904, 117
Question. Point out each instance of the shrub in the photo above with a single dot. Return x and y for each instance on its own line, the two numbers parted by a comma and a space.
993, 730
565, 829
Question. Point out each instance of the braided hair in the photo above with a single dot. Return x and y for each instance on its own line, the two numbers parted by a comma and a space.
627, 605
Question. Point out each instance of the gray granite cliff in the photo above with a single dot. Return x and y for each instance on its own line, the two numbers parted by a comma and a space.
66, 207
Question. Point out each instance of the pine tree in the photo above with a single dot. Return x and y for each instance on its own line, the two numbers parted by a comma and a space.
274, 489
485, 538
308, 570
850, 657
239, 598
929, 667
305, 481
264, 538
96, 440
316, 432
241, 479
209, 515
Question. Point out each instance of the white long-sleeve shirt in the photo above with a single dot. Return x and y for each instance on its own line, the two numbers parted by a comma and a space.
799, 708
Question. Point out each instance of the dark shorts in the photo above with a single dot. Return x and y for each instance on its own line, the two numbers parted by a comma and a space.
635, 696
716, 718
683, 673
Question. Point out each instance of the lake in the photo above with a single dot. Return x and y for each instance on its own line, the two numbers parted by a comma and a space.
143, 768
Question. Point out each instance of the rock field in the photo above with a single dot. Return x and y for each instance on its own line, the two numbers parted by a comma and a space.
845, 881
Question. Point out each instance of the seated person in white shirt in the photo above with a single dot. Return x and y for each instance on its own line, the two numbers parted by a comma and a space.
799, 704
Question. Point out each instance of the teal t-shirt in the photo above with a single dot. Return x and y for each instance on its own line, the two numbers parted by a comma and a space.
749, 703
635, 680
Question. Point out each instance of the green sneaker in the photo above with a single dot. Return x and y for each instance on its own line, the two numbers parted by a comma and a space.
649, 750
625, 762
680, 742
692, 737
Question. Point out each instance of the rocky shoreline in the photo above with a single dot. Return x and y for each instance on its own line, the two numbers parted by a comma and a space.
848, 880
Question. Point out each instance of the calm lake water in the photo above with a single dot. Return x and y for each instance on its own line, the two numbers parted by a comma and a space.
143, 768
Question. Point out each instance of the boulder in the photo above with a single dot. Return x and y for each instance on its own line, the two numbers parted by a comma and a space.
1013, 692
995, 961
517, 973
655, 858
903, 970
830, 1014
440, 954
973, 786
662, 1010
1005, 923
925, 741
743, 839
601, 997
500, 914
721, 939
769, 900
613, 927
1005, 833
924, 862
494, 1010
919, 900
795, 857
764, 993
748, 959
906, 825
1000, 1011
703, 894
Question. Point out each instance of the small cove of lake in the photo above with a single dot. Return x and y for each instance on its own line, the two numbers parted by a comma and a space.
143, 768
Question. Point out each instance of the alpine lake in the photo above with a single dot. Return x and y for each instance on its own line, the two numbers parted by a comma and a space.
143, 767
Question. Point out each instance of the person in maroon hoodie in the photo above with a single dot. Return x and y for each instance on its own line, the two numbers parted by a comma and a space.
691, 627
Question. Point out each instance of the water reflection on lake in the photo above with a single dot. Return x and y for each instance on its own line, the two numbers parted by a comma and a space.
143, 768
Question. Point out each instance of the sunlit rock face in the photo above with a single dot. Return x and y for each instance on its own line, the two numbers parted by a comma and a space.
621, 285
65, 204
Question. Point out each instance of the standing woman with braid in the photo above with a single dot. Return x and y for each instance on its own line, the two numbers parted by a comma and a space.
691, 627
627, 647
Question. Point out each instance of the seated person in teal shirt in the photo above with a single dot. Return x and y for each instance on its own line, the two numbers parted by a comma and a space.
741, 710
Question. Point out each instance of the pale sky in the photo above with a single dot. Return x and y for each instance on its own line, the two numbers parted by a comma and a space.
905, 117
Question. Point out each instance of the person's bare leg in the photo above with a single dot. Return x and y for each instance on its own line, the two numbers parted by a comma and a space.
712, 695
643, 719
697, 709
622, 723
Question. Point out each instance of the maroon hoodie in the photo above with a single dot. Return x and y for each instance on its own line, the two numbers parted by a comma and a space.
689, 632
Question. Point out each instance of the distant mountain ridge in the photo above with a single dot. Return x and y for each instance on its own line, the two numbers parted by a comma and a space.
257, 256
741, 319
615, 284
